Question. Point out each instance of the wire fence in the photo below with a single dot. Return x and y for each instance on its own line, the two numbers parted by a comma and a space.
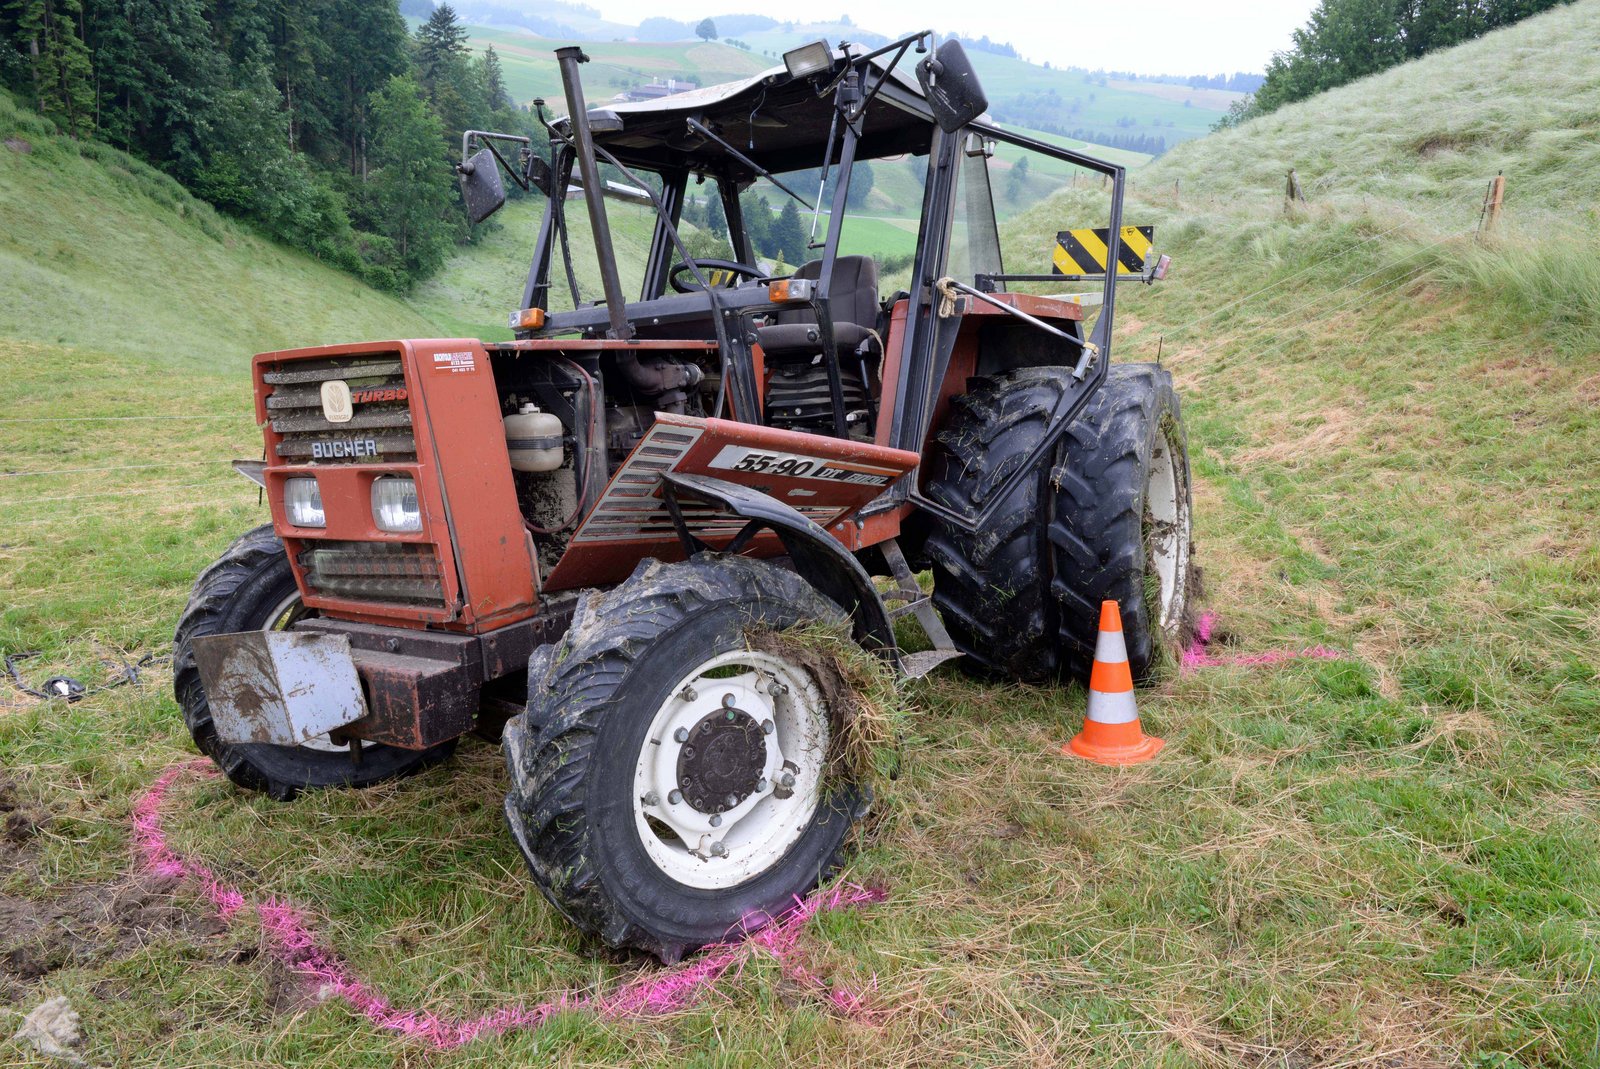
1293, 315
121, 419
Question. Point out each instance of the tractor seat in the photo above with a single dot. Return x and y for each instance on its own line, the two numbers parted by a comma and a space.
855, 312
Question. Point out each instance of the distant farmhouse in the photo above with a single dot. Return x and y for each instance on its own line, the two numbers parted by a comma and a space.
655, 90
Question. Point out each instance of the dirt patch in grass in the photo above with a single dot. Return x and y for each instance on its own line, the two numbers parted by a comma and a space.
1337, 428
78, 925
1589, 389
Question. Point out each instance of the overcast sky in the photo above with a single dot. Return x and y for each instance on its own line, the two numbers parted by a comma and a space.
1146, 36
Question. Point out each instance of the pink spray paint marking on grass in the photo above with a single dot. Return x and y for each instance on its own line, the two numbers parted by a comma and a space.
327, 976
1196, 656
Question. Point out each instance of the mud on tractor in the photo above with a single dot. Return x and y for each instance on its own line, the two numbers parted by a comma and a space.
581, 541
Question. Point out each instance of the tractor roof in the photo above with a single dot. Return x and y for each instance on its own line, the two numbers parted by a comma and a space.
778, 121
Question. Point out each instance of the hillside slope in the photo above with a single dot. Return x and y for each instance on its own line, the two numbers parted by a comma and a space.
1429, 134
99, 250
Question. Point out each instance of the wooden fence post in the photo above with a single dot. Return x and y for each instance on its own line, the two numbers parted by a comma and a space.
1292, 193
1492, 200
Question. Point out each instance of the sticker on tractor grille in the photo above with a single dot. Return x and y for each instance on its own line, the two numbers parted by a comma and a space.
799, 466
1084, 252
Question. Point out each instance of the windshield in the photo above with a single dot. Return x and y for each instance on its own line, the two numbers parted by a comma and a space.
974, 236
633, 224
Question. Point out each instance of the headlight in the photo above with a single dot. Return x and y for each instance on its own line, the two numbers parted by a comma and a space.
302, 500
394, 505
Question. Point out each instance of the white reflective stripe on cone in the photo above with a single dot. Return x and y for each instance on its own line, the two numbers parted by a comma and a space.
1110, 648
1112, 708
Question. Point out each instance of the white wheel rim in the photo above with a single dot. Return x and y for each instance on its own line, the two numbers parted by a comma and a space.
1168, 535
752, 837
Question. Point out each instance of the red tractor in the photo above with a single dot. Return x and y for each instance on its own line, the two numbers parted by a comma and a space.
581, 541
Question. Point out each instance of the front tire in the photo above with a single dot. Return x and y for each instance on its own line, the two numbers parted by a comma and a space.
252, 588
671, 781
1107, 517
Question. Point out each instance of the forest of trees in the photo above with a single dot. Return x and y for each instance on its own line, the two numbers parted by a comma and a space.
1237, 82
983, 44
324, 123
1349, 39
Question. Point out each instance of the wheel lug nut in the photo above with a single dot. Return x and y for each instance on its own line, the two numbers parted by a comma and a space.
716, 820
688, 694
727, 701
787, 780
719, 850
675, 797
688, 753
651, 799
776, 688
761, 785
768, 727
732, 800
681, 735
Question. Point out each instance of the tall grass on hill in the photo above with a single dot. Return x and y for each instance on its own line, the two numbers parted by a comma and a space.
1430, 134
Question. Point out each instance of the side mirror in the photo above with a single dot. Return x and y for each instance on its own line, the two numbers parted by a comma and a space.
951, 87
481, 186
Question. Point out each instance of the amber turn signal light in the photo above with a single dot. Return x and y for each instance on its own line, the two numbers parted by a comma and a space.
527, 319
787, 290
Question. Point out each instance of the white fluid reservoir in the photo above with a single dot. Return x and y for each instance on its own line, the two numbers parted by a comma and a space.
534, 439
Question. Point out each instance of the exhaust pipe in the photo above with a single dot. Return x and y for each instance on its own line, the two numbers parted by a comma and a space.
593, 193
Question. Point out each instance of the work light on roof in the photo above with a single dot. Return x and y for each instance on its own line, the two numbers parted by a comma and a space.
808, 59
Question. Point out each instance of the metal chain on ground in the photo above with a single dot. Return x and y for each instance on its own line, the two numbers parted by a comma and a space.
65, 688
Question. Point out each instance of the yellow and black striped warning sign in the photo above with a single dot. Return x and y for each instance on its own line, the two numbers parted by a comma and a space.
1083, 252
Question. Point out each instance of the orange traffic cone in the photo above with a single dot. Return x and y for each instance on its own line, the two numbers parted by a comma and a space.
1111, 733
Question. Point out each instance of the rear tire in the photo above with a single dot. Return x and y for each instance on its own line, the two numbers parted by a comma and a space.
1107, 517
251, 588
657, 656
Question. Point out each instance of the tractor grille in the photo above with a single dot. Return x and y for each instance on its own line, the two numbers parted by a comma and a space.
397, 572
379, 431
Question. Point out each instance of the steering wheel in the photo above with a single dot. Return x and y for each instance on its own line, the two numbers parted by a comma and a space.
719, 273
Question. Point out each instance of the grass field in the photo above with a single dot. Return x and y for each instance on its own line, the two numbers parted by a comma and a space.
1387, 859
483, 282
530, 66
